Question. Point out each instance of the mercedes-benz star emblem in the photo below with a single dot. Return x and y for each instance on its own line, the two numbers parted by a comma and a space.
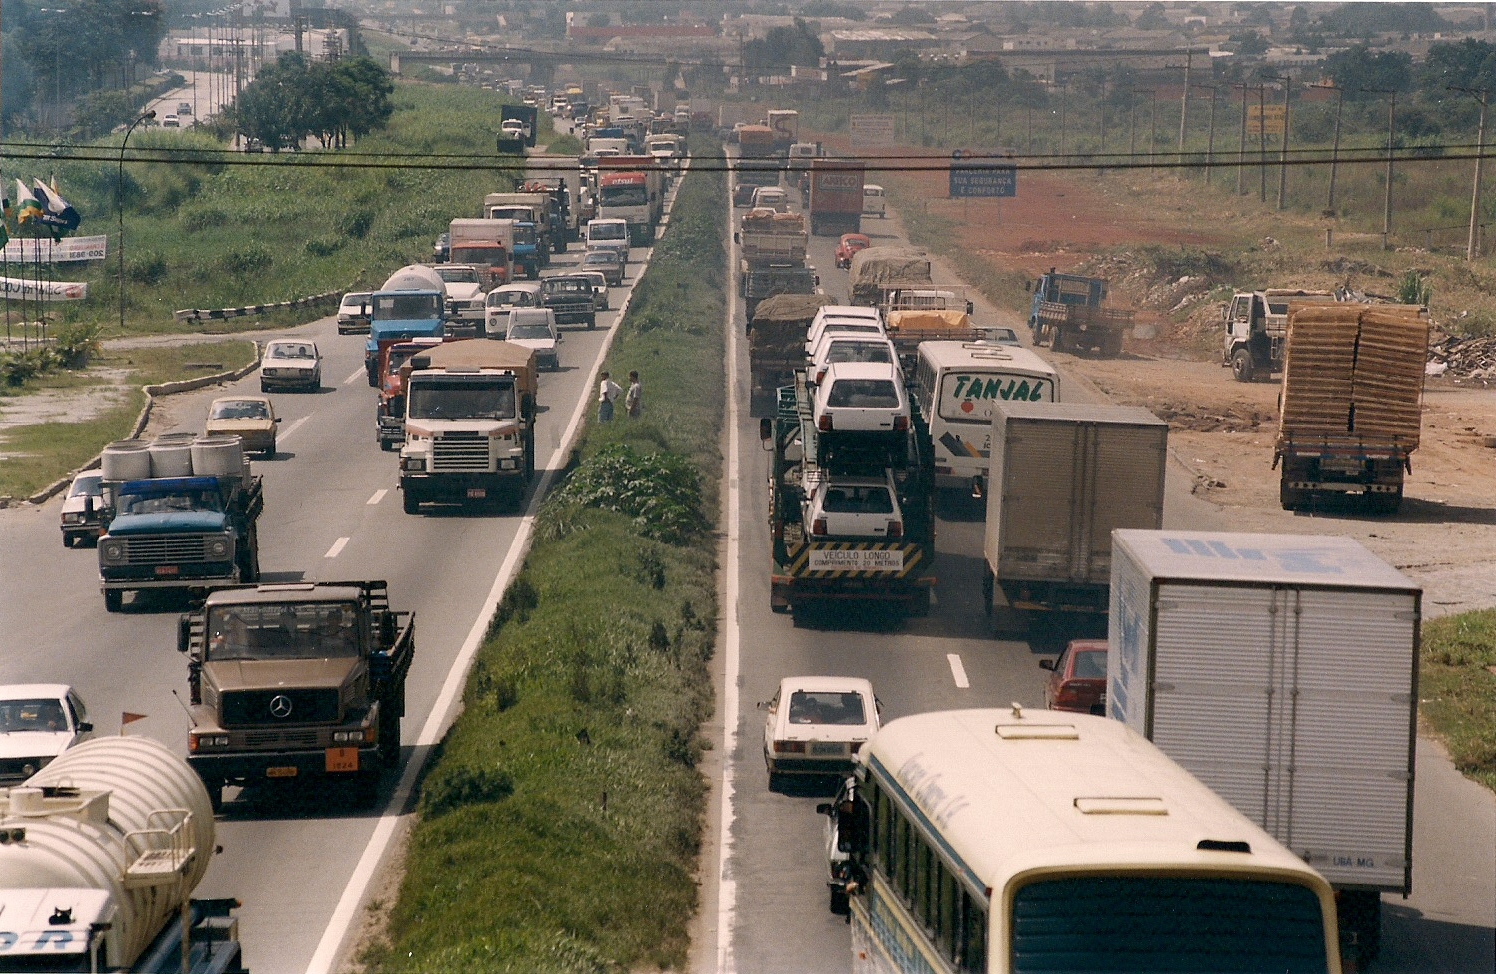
280, 706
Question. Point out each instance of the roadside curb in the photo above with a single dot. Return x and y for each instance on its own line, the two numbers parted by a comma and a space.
151, 392
217, 314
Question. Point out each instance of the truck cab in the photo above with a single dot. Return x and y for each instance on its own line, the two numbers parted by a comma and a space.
1256, 328
401, 314
389, 414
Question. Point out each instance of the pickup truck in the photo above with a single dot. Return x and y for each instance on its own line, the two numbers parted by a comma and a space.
571, 297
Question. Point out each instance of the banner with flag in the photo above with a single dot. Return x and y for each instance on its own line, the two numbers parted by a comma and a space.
28, 207
57, 213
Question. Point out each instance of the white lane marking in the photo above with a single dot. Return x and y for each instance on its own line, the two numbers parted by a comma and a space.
727, 886
958, 672
378, 496
355, 376
344, 914
337, 548
290, 431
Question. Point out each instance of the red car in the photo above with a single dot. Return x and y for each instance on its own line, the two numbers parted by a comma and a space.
1079, 680
850, 244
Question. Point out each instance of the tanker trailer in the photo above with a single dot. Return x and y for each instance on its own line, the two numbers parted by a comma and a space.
100, 853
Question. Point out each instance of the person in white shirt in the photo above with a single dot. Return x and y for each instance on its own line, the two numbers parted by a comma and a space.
608, 392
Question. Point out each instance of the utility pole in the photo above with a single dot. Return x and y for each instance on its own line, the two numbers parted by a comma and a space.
1241, 145
1335, 151
1391, 131
1210, 138
1283, 153
1184, 108
1152, 125
1262, 143
1472, 244
1152, 117
1064, 104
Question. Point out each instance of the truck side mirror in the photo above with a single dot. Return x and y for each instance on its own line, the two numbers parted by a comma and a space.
766, 429
85, 727
825, 808
184, 633
1028, 285
1046, 664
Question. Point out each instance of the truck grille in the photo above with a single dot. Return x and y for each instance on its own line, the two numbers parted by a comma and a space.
166, 549
460, 453
245, 707
289, 738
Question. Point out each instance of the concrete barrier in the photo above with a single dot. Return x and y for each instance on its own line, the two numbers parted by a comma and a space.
216, 314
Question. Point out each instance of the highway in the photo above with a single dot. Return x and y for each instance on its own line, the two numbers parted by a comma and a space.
332, 511
765, 904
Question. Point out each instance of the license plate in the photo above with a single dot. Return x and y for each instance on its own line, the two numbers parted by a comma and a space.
280, 772
817, 748
166, 569
341, 759
476, 493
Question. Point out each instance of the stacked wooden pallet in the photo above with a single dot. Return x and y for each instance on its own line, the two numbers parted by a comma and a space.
1354, 370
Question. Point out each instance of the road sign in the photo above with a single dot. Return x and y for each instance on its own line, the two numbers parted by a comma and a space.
982, 179
871, 130
1265, 119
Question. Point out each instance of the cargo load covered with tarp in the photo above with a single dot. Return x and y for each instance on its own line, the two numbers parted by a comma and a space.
876, 270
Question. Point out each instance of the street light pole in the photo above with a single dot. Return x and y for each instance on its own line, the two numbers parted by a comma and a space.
119, 203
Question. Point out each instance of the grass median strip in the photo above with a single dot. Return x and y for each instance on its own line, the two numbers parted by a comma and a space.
1457, 689
559, 826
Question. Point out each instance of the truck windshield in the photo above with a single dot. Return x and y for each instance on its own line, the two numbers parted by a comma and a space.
407, 307
487, 256
510, 213
458, 275
524, 236
461, 399
624, 196
505, 299
187, 500
283, 630
607, 231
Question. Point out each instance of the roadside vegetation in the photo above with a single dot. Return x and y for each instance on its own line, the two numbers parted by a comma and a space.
1457, 690
560, 825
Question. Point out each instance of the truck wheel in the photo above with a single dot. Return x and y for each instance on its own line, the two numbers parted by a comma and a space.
1291, 498
1361, 925
114, 600
919, 604
215, 793
366, 789
389, 736
1242, 369
839, 905
412, 503
591, 322
1384, 503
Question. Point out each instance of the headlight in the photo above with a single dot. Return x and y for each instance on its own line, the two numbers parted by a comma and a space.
112, 551
347, 737
413, 463
218, 548
198, 742
72, 519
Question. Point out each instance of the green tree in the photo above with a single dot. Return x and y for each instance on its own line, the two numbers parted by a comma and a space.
1464, 64
783, 47
1152, 18
1361, 72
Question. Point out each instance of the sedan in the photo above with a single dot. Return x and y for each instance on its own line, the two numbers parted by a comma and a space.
849, 245
251, 418
1078, 681
353, 313
608, 262
815, 725
38, 721
291, 364
83, 509
599, 288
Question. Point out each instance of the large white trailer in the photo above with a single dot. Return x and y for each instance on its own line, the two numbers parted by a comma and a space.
1282, 671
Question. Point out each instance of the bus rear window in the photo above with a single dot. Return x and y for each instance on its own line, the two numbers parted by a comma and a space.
1151, 925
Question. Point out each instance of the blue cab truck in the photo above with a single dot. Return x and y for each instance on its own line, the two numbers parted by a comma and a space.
180, 533
412, 304
1068, 315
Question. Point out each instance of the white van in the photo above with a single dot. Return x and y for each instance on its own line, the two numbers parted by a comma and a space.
502, 300
874, 200
609, 233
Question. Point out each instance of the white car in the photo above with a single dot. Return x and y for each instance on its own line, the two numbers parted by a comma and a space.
171, 122
853, 507
599, 288
535, 328
815, 725
861, 397
514, 129
464, 292
38, 721
502, 300
353, 313
837, 346
845, 317
771, 198
291, 363
83, 509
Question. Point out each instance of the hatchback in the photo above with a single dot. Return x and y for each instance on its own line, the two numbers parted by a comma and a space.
38, 721
1078, 680
815, 725
291, 364
83, 509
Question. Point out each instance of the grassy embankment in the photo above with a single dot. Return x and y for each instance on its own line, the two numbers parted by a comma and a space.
559, 827
1457, 689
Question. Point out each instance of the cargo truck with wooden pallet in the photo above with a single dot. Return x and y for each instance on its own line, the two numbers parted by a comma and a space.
1352, 403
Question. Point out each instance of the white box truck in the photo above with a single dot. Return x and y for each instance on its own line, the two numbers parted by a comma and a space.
1282, 671
1063, 477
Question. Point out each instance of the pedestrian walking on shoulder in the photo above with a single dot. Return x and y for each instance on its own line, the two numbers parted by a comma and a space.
608, 392
633, 400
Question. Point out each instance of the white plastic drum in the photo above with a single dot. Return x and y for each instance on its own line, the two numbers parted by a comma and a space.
218, 456
171, 457
126, 460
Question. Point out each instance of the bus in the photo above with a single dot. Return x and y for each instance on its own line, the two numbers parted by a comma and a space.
955, 384
1014, 842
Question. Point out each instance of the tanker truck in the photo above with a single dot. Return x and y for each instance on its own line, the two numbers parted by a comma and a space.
100, 853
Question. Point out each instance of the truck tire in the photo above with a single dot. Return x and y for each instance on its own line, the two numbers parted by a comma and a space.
215, 793
1384, 503
1361, 925
389, 735
114, 600
411, 503
1291, 498
839, 905
1242, 367
591, 322
365, 787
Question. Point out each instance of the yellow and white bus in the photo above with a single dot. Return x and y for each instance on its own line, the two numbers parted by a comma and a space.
956, 383
1017, 842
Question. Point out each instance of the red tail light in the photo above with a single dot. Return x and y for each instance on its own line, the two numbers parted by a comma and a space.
895, 529
789, 747
900, 423
818, 526
825, 423
1067, 694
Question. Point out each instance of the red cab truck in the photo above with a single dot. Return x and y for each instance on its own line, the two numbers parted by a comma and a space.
836, 196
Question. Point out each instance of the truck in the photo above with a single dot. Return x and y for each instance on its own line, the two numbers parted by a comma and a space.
1069, 314
411, 304
389, 412
909, 329
1256, 327
561, 177
518, 127
531, 214
1063, 477
808, 567
632, 188
773, 248
496, 245
836, 196
766, 281
572, 299
104, 850
470, 411
757, 165
876, 272
785, 124
294, 683
1351, 407
184, 516
776, 345
1282, 672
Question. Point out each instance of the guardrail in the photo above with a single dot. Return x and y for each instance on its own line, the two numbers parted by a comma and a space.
200, 314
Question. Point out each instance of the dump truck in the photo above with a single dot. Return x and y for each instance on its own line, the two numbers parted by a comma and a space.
185, 512
1063, 477
1069, 314
762, 283
776, 345
1281, 671
757, 165
297, 682
1256, 327
103, 851
1351, 408
910, 329
836, 196
877, 272
469, 424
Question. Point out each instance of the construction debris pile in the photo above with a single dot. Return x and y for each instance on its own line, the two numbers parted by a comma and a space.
1464, 358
